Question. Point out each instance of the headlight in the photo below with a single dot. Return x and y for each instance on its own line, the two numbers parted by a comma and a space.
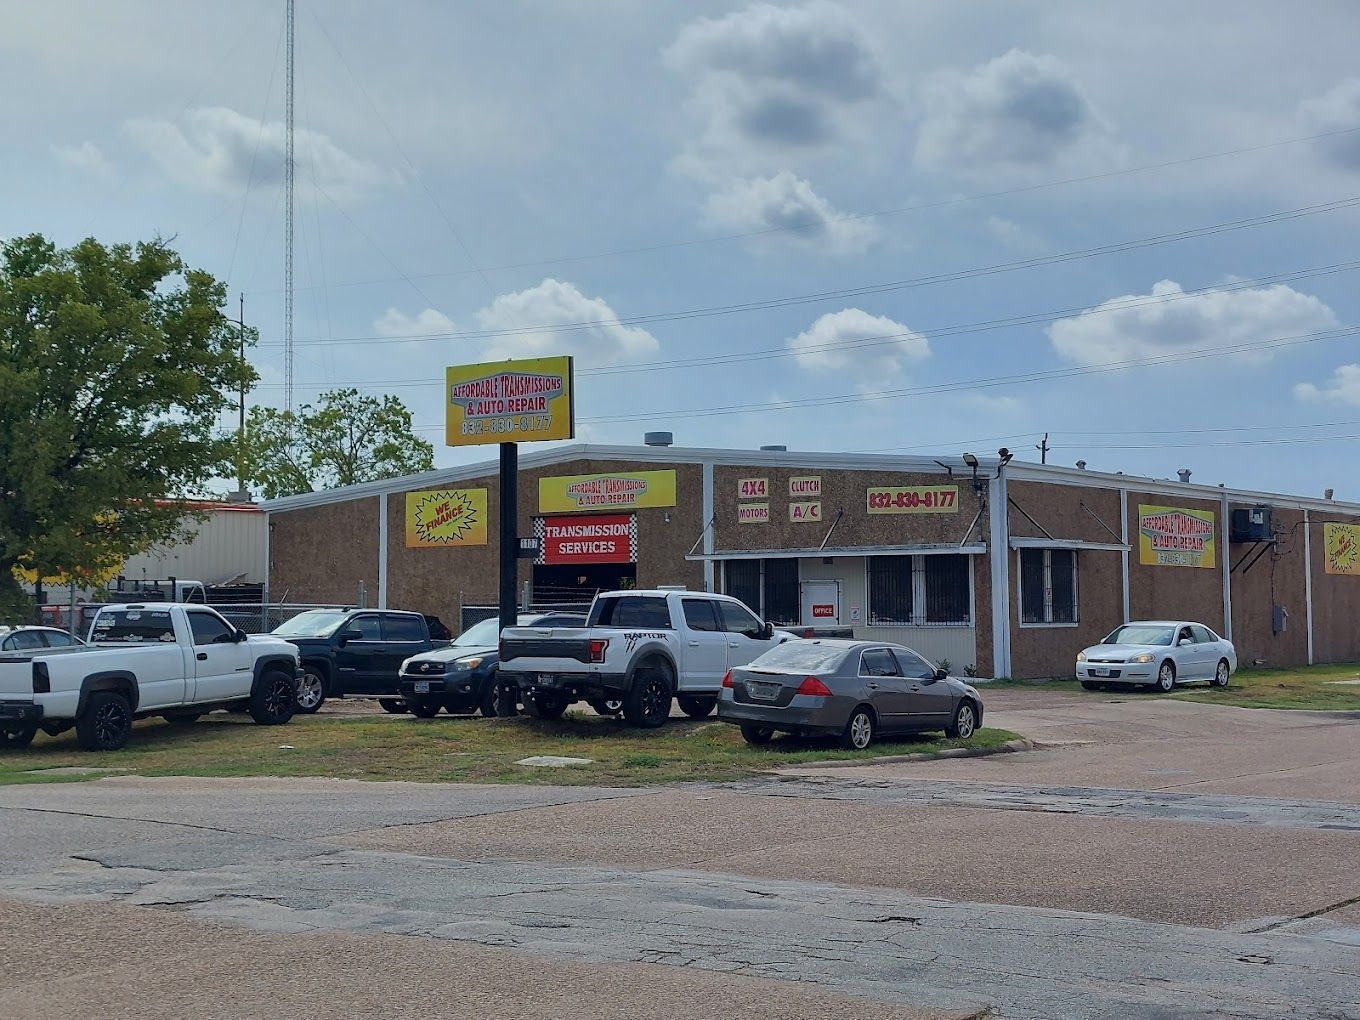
471, 663
1145, 657
1081, 656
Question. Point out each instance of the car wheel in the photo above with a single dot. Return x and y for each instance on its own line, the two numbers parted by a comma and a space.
106, 723
756, 735
393, 706
507, 698
182, 718
311, 691
648, 702
697, 708
859, 730
542, 705
14, 739
1221, 674
424, 708
274, 700
606, 706
1166, 677
965, 722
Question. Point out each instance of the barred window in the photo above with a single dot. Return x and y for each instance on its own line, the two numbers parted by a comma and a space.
781, 592
742, 581
1048, 586
948, 593
920, 590
890, 589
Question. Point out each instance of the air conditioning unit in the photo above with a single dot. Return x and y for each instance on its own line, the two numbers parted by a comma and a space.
1251, 524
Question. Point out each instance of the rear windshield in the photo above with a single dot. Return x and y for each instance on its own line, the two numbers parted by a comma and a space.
801, 657
133, 626
1140, 634
631, 611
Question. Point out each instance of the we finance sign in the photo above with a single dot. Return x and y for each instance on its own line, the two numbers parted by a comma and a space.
509, 402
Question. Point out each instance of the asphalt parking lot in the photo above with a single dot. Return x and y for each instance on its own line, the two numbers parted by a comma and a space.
1152, 858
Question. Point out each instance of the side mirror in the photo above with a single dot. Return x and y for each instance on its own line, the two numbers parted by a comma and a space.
766, 631
347, 636
940, 674
241, 636
1183, 642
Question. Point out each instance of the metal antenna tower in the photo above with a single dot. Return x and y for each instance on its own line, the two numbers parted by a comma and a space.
288, 228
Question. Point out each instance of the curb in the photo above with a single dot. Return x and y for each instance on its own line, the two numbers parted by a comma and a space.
1009, 747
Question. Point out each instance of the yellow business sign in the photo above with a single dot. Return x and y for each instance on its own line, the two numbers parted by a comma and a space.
440, 518
616, 490
1341, 548
1170, 536
913, 499
509, 402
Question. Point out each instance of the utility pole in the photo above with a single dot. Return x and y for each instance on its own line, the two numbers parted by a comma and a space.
1043, 450
288, 226
241, 404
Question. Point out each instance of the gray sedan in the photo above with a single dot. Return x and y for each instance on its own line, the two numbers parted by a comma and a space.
855, 690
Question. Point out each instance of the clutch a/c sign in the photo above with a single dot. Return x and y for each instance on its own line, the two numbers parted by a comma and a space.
509, 402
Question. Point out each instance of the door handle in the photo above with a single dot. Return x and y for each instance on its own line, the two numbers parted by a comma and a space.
202, 656
694, 644
734, 644
915, 688
872, 687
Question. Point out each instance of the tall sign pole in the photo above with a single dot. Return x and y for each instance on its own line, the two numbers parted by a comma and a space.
509, 558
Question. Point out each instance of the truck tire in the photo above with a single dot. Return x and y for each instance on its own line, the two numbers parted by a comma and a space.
11, 740
274, 699
106, 722
648, 701
545, 706
696, 707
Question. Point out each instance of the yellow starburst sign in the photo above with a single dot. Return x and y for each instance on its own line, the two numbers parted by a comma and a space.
1341, 548
440, 518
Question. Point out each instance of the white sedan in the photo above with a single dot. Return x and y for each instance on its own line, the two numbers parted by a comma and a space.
1160, 653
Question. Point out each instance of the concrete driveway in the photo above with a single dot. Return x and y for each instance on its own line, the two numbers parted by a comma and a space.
1160, 859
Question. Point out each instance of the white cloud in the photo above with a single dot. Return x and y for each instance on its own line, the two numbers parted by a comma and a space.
1342, 388
786, 205
872, 348
556, 303
1017, 110
1214, 318
775, 76
396, 323
219, 150
1337, 110
86, 156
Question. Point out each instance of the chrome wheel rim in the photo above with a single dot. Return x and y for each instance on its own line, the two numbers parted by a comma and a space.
309, 691
861, 730
1221, 675
614, 705
966, 722
1166, 677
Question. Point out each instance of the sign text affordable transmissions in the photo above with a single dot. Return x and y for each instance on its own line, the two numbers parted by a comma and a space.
509, 402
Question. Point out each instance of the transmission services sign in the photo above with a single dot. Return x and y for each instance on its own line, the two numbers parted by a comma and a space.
443, 518
616, 490
509, 402
1170, 536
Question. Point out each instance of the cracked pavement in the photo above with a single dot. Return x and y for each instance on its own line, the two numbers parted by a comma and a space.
886, 892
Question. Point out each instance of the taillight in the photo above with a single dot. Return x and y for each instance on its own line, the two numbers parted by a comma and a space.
42, 682
597, 649
811, 685
727, 679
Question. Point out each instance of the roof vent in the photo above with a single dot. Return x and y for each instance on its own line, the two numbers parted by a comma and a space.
1184, 474
658, 438
776, 448
1327, 493
1081, 465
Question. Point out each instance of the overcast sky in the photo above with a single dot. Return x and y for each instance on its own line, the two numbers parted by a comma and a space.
469, 174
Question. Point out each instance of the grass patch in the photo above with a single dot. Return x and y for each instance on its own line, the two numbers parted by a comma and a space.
1304, 687
449, 749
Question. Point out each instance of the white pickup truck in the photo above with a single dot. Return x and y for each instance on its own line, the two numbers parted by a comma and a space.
142, 660
637, 651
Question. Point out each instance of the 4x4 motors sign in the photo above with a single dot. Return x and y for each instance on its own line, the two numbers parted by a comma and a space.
1170, 536
509, 402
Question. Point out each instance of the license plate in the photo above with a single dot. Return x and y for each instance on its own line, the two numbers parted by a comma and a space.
422, 687
763, 692
1100, 671
546, 679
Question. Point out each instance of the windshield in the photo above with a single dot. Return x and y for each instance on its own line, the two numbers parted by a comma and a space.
133, 626
314, 623
801, 657
1140, 634
481, 635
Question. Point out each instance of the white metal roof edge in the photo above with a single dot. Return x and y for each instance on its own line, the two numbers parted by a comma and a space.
976, 548
1021, 542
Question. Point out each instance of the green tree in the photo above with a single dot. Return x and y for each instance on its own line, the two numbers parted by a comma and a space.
342, 439
115, 363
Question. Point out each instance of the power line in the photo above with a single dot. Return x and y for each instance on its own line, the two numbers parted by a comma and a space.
1230, 442
844, 217
870, 289
869, 342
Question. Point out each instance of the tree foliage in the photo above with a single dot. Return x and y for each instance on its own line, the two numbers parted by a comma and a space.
115, 363
344, 438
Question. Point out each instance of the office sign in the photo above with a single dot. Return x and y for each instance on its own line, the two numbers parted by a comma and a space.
596, 538
443, 518
1341, 548
753, 488
509, 402
913, 499
753, 513
1170, 536
805, 513
623, 490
